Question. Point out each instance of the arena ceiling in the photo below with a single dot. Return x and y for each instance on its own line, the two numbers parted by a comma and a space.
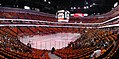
52, 6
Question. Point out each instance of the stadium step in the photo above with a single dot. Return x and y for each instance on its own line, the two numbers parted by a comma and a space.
53, 56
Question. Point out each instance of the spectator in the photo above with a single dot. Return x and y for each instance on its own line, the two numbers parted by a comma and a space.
53, 49
96, 53
103, 50
29, 44
118, 36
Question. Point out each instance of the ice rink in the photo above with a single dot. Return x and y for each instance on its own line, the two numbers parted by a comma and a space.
58, 40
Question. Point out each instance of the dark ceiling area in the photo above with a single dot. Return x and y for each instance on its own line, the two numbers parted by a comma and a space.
74, 6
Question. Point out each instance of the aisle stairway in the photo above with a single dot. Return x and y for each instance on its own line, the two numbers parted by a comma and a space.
53, 56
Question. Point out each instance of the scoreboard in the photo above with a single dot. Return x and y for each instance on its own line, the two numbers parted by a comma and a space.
63, 15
